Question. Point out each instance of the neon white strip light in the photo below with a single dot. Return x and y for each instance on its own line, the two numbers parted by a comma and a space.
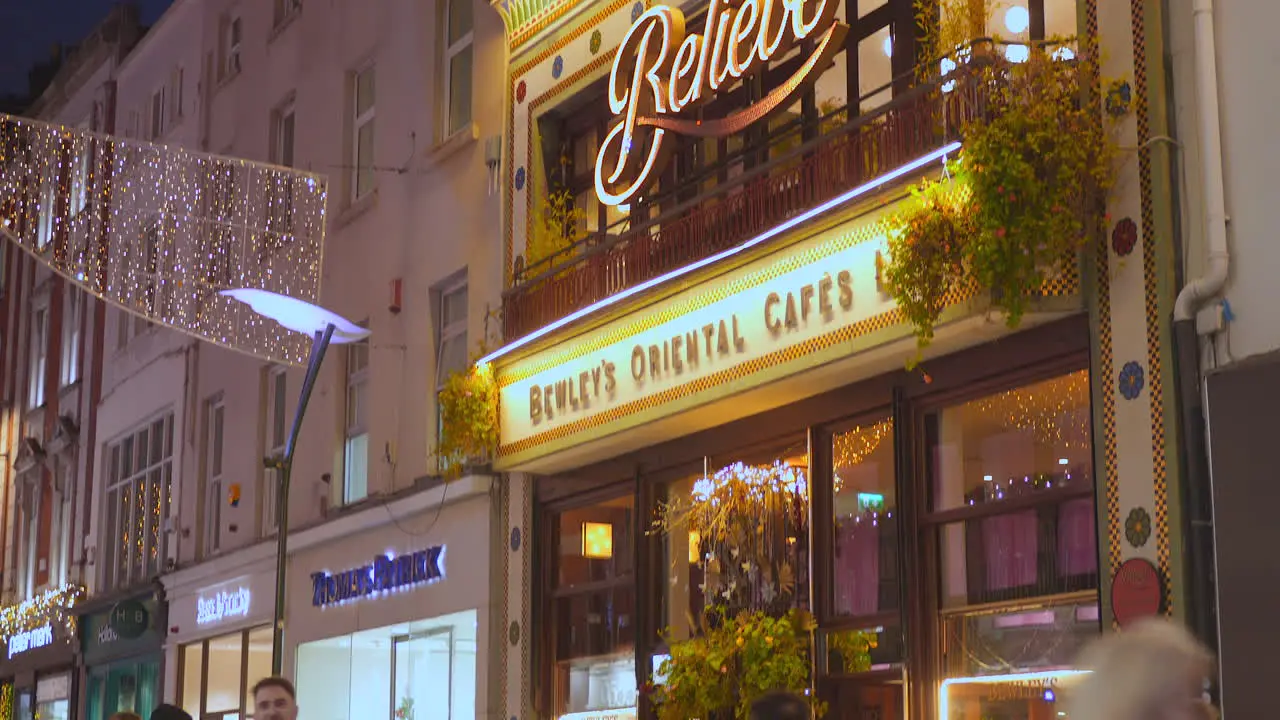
944, 698
773, 232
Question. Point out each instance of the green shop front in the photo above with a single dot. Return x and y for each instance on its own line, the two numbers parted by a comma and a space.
123, 646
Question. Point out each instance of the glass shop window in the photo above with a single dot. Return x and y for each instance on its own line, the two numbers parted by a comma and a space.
594, 599
1011, 477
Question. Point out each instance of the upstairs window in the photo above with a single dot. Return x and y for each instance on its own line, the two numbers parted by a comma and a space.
363, 90
39, 339
229, 47
458, 36
355, 485
282, 11
72, 317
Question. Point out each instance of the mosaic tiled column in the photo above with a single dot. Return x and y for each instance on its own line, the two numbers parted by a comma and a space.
1133, 368
519, 554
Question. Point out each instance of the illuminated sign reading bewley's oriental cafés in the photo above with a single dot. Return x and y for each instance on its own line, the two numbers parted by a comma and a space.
660, 72
698, 348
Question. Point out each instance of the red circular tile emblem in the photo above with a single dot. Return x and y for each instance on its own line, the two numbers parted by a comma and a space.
521, 91
1136, 590
1124, 237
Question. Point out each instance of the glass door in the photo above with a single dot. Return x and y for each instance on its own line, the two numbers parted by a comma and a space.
421, 670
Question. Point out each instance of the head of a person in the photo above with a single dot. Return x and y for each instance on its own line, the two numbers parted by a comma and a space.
163, 712
274, 699
125, 716
780, 706
1152, 670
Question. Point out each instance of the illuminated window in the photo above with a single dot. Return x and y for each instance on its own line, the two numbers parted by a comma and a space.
595, 608
1011, 475
139, 487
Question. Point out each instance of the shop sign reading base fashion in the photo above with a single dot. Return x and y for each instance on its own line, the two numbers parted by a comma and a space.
384, 574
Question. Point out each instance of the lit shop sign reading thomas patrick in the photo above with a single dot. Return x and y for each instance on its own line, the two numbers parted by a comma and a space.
659, 72
385, 574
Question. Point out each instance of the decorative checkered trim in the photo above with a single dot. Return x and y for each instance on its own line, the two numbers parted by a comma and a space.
1151, 293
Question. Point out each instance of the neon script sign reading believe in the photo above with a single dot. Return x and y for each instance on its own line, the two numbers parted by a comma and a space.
660, 72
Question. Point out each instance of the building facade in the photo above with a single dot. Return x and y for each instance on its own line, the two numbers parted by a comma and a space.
170, 565
1226, 340
704, 410
53, 342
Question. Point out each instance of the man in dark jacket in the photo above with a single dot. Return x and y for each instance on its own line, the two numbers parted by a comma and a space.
780, 706
169, 712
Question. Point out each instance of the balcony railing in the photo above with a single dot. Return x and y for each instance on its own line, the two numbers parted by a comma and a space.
921, 120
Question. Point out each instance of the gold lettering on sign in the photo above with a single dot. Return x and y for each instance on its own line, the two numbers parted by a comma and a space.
794, 311
660, 71
575, 392
688, 350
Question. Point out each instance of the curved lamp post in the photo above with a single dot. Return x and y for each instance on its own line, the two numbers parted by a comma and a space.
324, 327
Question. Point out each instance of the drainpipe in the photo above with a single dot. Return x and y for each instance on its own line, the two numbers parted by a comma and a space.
1197, 491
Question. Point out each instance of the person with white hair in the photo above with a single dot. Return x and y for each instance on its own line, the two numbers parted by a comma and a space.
1152, 670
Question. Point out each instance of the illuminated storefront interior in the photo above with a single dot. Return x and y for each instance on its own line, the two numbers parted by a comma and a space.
216, 675
983, 490
425, 670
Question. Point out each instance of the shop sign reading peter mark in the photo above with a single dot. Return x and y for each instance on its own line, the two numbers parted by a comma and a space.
660, 72
384, 574
30, 640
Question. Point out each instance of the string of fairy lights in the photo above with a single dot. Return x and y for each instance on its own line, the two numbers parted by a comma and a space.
51, 607
159, 230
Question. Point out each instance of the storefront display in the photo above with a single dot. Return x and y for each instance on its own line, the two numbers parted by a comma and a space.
390, 620
39, 655
220, 633
123, 656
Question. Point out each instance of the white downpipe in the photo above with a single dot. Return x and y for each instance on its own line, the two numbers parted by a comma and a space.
1214, 278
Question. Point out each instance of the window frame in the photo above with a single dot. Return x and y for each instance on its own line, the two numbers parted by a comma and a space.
38, 355
115, 484
28, 551
158, 126
450, 51
213, 475
283, 12
445, 331
73, 306
358, 121
230, 44
357, 383
275, 436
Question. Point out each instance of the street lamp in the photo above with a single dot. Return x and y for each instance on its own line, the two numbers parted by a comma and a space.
324, 327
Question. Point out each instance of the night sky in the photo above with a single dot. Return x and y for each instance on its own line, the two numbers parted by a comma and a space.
30, 28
